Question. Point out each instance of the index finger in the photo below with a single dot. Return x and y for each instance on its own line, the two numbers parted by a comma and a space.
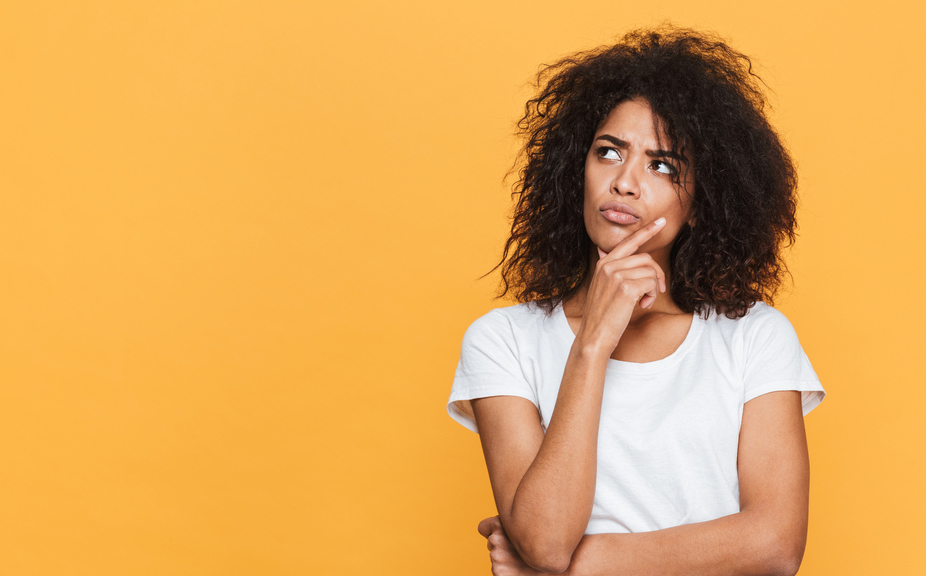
632, 243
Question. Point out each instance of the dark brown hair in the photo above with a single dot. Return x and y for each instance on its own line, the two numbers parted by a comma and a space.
712, 107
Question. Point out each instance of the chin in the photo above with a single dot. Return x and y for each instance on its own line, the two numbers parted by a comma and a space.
608, 242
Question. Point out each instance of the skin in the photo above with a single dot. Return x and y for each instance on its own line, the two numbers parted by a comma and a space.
544, 483
628, 162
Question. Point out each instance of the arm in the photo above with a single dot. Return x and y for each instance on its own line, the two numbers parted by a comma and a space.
544, 483
766, 537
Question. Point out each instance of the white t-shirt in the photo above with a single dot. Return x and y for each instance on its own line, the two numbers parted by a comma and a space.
669, 429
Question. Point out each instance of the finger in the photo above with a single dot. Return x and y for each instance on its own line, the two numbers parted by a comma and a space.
623, 278
502, 562
496, 541
632, 243
488, 525
649, 297
642, 260
644, 290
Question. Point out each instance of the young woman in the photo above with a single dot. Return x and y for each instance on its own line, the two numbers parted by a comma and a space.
641, 411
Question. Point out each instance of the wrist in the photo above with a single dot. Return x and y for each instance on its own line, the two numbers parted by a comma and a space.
592, 348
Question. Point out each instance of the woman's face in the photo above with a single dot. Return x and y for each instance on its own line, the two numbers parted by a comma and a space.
630, 174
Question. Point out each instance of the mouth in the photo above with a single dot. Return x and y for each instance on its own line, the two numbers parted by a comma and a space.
619, 213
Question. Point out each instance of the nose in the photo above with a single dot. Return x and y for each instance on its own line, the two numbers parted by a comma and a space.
627, 180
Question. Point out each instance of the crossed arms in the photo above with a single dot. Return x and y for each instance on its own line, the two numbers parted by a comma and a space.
544, 483
544, 486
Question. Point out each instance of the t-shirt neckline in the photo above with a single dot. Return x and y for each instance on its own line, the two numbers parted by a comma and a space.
639, 367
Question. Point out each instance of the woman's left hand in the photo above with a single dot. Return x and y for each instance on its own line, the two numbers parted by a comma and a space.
505, 559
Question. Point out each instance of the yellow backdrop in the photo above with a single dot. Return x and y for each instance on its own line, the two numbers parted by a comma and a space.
241, 241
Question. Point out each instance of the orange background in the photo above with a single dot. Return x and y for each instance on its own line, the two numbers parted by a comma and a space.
241, 243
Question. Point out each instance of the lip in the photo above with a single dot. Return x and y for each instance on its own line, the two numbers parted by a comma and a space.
619, 213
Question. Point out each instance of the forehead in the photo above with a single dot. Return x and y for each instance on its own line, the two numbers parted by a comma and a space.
635, 122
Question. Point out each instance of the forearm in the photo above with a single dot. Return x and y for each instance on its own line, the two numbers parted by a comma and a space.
553, 501
746, 543
766, 537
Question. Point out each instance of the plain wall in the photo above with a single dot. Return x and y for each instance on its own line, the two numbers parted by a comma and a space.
240, 243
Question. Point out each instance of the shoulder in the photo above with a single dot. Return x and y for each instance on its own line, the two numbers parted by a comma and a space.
761, 314
761, 322
509, 323
770, 355
764, 325
763, 337
496, 348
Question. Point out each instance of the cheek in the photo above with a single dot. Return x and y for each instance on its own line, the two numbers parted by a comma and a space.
586, 214
591, 187
588, 199
590, 174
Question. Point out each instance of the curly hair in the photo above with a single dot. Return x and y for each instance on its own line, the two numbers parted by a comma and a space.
711, 105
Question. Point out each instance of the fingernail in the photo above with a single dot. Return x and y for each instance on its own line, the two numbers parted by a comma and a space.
660, 222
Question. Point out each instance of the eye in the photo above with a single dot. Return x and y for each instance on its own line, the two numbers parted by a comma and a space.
664, 168
608, 153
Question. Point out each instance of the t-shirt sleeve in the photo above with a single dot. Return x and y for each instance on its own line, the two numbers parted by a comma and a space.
776, 361
488, 366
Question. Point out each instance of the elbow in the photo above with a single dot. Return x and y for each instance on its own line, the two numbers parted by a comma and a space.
789, 561
545, 554
784, 553
783, 566
548, 563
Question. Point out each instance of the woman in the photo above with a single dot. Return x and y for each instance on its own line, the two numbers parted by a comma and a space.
641, 411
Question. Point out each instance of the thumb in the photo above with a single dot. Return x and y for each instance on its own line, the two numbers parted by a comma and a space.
487, 526
601, 253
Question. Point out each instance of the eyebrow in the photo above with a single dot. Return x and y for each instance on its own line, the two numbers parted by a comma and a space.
651, 153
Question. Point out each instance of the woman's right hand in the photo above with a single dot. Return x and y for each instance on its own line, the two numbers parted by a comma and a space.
622, 279
544, 480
